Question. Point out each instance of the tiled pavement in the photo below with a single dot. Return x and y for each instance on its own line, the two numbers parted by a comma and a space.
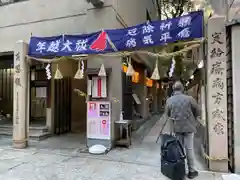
122, 164
51, 161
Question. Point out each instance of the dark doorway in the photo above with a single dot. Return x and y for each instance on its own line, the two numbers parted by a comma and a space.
6, 88
39, 94
62, 105
127, 106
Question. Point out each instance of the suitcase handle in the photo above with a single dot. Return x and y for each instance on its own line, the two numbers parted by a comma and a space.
182, 150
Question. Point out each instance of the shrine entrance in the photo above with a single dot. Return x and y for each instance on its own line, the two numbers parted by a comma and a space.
39, 94
6, 88
68, 108
55, 107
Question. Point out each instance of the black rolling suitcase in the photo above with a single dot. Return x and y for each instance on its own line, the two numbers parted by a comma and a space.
172, 157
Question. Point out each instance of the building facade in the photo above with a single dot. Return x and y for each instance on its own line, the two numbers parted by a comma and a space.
25, 18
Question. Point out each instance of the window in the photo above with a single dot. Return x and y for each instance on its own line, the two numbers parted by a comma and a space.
5, 2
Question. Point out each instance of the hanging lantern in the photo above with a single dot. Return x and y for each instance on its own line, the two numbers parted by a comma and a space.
135, 77
130, 70
124, 68
155, 74
80, 72
58, 74
148, 82
102, 71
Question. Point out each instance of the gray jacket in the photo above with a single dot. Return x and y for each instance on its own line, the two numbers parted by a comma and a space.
184, 110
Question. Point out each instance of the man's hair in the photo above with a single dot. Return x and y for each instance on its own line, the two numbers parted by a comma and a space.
178, 86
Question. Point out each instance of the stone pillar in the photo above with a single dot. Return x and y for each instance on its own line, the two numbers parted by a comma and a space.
20, 96
217, 95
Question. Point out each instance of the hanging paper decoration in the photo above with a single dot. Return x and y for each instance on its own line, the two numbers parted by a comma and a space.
82, 67
102, 71
80, 72
48, 72
172, 67
58, 74
130, 70
155, 74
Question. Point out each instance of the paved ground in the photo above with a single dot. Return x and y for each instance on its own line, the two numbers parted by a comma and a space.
35, 165
51, 161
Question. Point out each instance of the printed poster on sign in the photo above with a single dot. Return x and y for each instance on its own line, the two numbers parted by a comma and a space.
92, 110
99, 87
104, 110
105, 127
98, 120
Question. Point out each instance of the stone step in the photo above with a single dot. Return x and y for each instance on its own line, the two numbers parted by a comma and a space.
5, 132
35, 133
32, 129
40, 136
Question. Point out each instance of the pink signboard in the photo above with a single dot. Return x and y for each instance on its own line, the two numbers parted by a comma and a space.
98, 120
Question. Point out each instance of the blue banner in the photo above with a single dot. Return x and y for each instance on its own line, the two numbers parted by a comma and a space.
154, 33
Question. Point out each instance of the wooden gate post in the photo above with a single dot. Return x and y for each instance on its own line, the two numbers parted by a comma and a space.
20, 96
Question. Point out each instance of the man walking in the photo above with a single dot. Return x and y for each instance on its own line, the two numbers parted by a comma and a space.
184, 110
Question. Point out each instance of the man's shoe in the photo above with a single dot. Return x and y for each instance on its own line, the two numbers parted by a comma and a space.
192, 175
